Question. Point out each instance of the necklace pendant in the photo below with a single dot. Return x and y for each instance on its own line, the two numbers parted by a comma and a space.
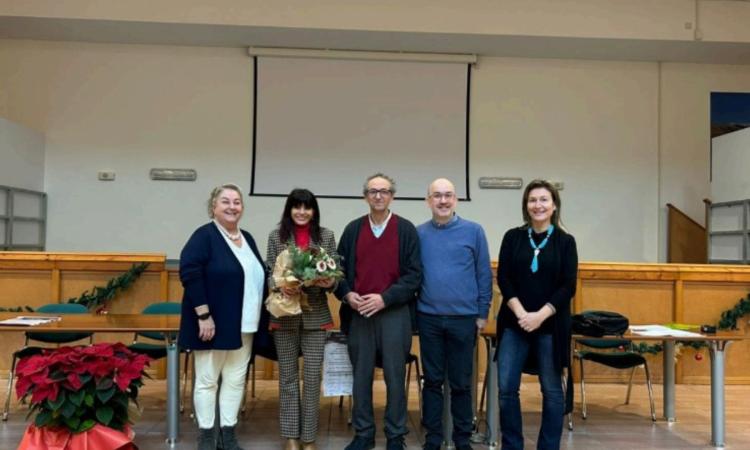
536, 252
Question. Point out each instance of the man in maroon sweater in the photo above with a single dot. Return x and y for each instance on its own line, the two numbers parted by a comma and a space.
381, 261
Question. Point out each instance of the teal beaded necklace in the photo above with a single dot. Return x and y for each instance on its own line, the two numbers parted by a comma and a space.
538, 248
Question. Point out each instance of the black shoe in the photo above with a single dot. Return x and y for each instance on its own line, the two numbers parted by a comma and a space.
395, 444
464, 447
228, 439
207, 439
360, 443
429, 446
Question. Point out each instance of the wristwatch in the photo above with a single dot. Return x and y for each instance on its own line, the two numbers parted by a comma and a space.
204, 316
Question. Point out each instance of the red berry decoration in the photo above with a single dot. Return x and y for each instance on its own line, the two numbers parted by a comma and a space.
621, 348
699, 356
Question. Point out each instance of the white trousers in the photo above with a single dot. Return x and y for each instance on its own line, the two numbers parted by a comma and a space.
231, 365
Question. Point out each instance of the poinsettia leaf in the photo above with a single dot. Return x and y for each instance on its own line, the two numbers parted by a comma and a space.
72, 422
104, 396
58, 402
122, 400
76, 397
104, 414
88, 399
86, 425
43, 418
104, 384
68, 410
84, 378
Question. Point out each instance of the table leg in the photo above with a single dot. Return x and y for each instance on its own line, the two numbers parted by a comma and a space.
717, 351
493, 412
669, 380
173, 391
447, 417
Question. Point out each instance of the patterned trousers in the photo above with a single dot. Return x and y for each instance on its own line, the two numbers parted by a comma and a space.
298, 417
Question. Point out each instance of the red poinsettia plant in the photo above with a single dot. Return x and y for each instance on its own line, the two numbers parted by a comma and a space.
77, 387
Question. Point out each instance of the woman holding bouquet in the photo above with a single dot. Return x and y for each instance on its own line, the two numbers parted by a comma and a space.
304, 333
225, 283
537, 277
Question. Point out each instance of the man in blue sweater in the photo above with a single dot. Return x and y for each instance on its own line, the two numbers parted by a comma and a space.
453, 304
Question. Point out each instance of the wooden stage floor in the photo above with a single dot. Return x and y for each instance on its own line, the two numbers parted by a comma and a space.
611, 425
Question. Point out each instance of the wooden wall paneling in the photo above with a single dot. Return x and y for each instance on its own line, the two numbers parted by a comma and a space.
686, 238
642, 302
175, 286
704, 302
24, 287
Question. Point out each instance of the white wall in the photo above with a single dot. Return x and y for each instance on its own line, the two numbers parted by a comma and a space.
21, 156
592, 125
731, 166
685, 134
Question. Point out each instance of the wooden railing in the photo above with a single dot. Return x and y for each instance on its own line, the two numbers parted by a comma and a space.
646, 293
686, 238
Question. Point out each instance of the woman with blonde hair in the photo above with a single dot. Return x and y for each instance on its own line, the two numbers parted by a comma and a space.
224, 280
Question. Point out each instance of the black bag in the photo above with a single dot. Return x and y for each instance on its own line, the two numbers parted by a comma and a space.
599, 323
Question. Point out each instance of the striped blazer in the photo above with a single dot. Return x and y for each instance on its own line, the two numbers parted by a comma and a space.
319, 315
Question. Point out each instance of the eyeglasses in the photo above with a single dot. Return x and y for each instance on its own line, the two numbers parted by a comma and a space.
442, 195
382, 192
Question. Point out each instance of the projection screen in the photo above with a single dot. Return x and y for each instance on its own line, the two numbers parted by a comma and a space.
326, 124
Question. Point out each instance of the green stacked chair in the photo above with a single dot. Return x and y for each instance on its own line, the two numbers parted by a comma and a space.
617, 354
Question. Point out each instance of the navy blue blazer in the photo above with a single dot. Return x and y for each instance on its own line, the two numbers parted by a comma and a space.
211, 275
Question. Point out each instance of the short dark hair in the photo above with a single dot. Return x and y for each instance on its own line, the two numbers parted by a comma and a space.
379, 175
536, 184
299, 197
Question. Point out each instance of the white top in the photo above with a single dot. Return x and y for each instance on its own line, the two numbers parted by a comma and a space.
377, 230
252, 297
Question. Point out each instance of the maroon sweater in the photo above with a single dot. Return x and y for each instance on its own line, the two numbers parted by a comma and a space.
377, 266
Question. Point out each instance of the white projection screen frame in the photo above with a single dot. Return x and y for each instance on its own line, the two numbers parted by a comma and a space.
327, 124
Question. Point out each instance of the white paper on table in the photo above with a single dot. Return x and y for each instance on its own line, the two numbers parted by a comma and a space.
29, 321
337, 368
661, 330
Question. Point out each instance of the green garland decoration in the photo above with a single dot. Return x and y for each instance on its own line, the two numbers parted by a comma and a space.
728, 321
100, 294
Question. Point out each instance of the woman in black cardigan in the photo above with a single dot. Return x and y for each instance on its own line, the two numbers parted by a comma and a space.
537, 271
224, 282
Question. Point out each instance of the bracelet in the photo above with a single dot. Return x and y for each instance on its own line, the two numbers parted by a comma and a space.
204, 316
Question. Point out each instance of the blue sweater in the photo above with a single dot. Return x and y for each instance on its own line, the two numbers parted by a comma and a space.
456, 269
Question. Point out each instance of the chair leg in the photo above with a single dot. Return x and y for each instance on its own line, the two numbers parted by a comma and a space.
11, 375
650, 393
630, 386
564, 381
420, 385
408, 384
185, 382
583, 392
252, 382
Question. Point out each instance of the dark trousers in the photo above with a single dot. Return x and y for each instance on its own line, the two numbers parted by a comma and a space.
386, 334
446, 345
515, 346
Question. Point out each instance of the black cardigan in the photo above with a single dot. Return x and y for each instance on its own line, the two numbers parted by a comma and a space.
404, 290
554, 282
211, 275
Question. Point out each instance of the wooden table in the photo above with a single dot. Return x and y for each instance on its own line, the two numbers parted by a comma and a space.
717, 344
126, 323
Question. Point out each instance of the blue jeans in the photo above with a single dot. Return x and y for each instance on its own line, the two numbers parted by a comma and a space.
447, 349
515, 346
